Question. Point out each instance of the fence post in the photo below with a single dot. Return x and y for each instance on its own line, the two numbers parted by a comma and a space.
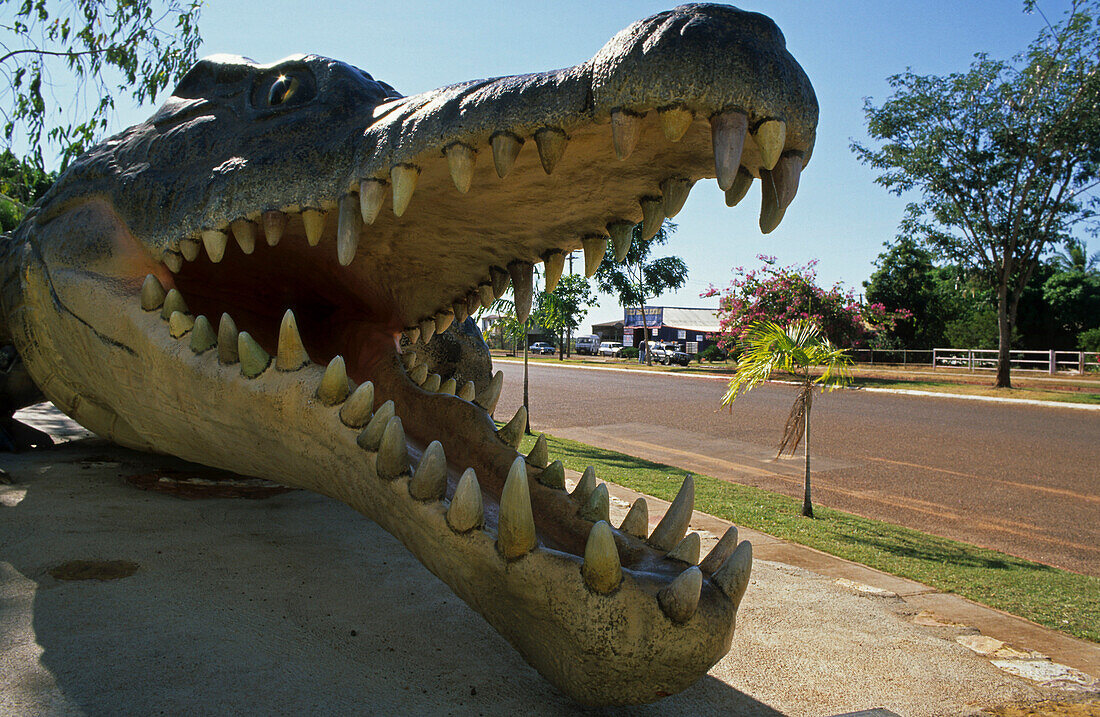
872, 357
903, 357
970, 359
1081, 363
1053, 362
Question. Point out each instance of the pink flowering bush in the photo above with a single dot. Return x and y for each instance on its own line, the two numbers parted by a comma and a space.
785, 294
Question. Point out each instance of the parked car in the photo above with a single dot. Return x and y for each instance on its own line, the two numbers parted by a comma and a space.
587, 344
541, 348
611, 348
669, 354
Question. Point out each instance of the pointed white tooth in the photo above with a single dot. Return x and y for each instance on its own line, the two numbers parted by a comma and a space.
675, 122
179, 324
349, 223
458, 308
626, 127
173, 301
653, 214
489, 397
314, 222
733, 576
466, 511
500, 280
174, 261
427, 330
721, 550
152, 293
244, 232
540, 452
372, 192
516, 530
358, 410
473, 302
674, 192
443, 321
485, 291
506, 147
522, 274
419, 374
215, 242
227, 340
598, 505
740, 187
432, 383
777, 189
583, 491
622, 233
371, 437
554, 265
687, 550
190, 248
254, 360
594, 250
551, 142
636, 522
429, 481
334, 387
467, 392
553, 476
203, 337
274, 225
770, 137
291, 355
412, 334
511, 433
727, 133
460, 162
404, 178
674, 524
448, 387
680, 598
602, 571
393, 454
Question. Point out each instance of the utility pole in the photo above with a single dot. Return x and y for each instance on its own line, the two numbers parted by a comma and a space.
569, 332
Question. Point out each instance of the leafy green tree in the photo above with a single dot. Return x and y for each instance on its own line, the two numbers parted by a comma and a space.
21, 184
796, 349
906, 280
639, 278
1005, 156
93, 50
563, 309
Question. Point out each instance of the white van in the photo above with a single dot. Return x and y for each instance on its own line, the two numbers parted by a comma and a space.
587, 344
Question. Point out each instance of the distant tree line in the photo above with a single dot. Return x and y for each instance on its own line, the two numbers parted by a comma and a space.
949, 306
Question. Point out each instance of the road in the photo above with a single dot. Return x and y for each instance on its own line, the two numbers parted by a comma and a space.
1021, 479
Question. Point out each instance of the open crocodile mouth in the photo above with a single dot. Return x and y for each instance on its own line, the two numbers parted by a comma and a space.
308, 314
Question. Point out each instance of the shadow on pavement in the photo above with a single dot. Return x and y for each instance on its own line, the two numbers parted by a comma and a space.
291, 604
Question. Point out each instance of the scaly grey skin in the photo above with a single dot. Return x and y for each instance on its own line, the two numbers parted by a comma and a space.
333, 222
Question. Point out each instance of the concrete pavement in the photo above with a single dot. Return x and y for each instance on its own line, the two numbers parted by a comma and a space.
296, 604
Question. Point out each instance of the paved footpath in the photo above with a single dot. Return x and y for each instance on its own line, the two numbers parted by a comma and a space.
296, 604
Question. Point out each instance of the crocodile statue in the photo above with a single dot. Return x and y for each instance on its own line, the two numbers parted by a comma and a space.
254, 279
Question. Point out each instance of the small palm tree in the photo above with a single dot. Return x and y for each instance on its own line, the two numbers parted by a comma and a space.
796, 349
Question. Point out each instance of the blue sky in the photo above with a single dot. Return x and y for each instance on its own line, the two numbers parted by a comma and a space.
847, 48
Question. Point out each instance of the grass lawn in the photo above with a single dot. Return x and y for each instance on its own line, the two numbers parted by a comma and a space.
1056, 598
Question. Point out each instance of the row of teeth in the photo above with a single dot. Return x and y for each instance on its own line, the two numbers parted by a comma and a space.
381, 431
779, 175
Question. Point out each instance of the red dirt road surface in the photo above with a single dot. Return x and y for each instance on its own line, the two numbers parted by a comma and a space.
1017, 478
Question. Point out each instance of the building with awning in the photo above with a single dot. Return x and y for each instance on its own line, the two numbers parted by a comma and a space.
691, 329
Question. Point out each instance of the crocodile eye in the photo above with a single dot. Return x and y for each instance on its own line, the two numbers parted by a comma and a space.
282, 90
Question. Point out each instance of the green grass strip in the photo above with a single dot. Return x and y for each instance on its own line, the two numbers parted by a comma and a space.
1059, 599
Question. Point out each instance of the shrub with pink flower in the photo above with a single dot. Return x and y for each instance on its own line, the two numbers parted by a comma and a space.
784, 294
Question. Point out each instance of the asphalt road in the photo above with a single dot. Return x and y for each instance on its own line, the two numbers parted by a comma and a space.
1017, 478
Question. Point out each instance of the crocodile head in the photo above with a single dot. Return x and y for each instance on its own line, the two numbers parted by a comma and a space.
250, 280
